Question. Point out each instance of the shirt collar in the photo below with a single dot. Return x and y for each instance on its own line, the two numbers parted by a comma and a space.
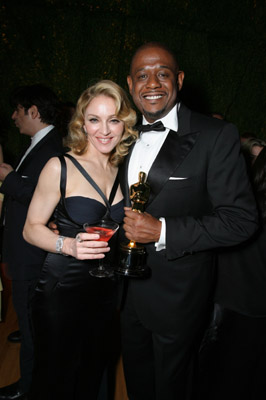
170, 121
40, 134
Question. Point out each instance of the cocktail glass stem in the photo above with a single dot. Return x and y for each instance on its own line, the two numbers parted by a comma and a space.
101, 266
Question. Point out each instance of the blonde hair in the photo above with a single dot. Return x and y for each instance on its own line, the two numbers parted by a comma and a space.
76, 139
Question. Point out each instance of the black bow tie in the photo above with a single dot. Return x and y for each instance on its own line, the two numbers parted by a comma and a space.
157, 126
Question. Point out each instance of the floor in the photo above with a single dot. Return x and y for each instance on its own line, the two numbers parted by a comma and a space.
9, 352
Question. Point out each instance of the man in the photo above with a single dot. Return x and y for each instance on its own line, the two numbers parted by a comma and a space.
34, 115
200, 200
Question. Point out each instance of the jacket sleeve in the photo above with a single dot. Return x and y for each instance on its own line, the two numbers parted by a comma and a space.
18, 187
234, 214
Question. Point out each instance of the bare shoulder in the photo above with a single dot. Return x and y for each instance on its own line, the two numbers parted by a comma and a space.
52, 169
53, 165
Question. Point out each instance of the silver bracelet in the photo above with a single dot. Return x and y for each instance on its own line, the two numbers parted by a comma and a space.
59, 245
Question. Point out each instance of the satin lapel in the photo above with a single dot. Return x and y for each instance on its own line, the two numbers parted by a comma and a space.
173, 152
35, 149
21, 154
123, 178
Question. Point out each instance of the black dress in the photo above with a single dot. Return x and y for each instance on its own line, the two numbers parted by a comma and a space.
72, 312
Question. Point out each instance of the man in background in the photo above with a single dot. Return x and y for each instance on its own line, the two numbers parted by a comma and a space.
35, 111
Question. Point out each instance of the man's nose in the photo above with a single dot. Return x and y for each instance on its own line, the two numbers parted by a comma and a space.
13, 116
153, 81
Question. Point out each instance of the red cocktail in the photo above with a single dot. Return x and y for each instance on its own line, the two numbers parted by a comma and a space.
105, 229
105, 233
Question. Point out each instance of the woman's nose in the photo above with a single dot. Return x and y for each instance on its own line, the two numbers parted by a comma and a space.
105, 129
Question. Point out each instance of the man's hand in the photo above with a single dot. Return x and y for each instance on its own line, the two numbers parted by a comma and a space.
141, 227
52, 225
5, 169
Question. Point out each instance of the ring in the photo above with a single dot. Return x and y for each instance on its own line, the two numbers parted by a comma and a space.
78, 239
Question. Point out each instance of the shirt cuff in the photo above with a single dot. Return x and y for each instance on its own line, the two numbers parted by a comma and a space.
161, 244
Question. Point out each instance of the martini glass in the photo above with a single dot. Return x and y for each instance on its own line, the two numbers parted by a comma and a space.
106, 229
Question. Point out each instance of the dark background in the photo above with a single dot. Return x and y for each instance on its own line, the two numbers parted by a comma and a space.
67, 45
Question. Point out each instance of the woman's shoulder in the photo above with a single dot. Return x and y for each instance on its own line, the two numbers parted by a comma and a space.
50, 175
53, 166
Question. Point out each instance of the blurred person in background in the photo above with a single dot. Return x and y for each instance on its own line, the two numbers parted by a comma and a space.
233, 359
35, 111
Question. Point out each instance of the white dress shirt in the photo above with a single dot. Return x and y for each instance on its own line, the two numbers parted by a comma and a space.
34, 140
144, 153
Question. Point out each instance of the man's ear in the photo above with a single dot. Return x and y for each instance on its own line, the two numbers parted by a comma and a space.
34, 112
129, 82
180, 79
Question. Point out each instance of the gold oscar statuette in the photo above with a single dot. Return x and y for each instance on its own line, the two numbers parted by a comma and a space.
132, 255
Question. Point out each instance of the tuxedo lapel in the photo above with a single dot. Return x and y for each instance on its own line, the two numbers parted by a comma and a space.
173, 152
33, 152
21, 154
123, 178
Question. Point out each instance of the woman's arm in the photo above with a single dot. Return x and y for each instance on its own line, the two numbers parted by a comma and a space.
44, 201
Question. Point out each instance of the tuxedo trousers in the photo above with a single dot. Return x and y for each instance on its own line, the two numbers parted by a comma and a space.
21, 294
157, 365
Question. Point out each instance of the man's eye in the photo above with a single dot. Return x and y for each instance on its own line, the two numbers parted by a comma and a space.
162, 75
143, 76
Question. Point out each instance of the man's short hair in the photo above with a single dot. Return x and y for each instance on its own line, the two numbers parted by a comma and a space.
154, 44
37, 95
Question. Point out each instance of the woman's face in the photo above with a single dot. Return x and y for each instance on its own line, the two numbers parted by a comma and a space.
255, 151
103, 128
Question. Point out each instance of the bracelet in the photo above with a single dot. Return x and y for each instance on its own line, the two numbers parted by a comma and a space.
59, 245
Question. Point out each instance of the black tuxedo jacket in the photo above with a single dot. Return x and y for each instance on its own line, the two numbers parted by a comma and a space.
24, 260
200, 186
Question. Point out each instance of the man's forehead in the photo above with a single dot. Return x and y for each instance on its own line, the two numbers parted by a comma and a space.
153, 57
152, 66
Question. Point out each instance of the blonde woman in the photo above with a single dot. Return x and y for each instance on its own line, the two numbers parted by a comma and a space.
71, 310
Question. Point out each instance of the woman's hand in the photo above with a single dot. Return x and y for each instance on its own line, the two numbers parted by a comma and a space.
86, 246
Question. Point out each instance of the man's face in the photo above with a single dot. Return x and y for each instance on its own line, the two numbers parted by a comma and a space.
22, 120
154, 82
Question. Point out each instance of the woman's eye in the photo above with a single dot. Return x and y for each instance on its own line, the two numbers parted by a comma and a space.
93, 120
115, 121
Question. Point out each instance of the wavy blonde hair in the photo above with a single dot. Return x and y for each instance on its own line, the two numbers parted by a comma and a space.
76, 139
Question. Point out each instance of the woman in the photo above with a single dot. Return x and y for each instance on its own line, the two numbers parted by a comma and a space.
72, 311
251, 148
